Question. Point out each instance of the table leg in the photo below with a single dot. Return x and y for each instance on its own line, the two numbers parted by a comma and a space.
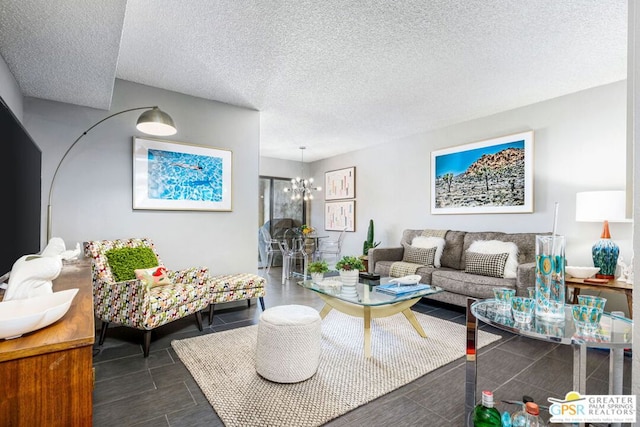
471, 364
629, 293
616, 357
325, 310
285, 268
367, 331
616, 366
408, 313
616, 363
579, 368
576, 292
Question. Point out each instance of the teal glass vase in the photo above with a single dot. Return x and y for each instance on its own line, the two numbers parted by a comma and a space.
550, 286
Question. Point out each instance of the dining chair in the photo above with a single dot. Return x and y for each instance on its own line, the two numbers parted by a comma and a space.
293, 250
271, 246
331, 248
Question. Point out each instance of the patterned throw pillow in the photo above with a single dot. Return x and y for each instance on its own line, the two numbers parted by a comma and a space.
498, 247
486, 264
430, 242
155, 276
424, 256
123, 261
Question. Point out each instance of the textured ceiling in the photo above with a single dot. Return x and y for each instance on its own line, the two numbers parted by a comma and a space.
332, 75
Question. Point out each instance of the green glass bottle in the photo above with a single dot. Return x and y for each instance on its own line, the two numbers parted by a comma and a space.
484, 414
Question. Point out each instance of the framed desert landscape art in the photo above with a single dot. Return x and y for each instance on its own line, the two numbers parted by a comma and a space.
177, 176
490, 176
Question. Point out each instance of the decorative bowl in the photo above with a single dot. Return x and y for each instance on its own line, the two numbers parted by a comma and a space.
17, 317
581, 272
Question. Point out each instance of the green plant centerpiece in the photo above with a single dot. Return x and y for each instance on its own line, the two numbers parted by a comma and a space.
318, 267
349, 263
349, 268
317, 270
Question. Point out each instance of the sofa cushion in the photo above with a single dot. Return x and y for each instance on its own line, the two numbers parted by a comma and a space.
486, 264
497, 247
430, 242
526, 243
472, 285
417, 255
453, 247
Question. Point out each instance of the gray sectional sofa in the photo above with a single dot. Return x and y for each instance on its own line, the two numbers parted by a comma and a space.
451, 275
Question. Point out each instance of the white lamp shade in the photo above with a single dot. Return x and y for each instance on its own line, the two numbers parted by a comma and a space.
598, 206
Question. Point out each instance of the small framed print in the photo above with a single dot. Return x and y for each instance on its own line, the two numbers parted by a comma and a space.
340, 184
338, 215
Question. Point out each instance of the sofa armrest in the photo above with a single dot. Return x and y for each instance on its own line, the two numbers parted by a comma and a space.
526, 277
384, 254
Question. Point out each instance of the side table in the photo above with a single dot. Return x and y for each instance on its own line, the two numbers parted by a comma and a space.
612, 286
614, 334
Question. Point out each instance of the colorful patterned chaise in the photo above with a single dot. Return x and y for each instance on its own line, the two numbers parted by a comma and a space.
133, 302
234, 287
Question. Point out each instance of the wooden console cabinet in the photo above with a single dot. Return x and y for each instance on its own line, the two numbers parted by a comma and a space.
612, 286
46, 376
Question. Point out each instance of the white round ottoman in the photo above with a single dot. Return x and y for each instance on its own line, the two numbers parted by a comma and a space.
288, 347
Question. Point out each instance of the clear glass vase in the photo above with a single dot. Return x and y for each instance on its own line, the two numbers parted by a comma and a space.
550, 287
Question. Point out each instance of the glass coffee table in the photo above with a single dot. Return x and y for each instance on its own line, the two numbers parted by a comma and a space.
615, 333
367, 303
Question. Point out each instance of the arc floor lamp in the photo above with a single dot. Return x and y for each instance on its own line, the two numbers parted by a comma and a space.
154, 121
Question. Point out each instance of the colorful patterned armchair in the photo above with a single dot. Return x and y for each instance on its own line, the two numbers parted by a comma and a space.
139, 302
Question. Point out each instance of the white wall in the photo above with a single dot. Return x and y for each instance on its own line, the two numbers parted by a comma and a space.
634, 139
279, 168
92, 197
580, 144
9, 90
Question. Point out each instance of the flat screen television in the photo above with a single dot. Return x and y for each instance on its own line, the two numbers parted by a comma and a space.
20, 190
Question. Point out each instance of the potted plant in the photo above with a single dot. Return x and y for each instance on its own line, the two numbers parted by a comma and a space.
317, 270
368, 244
349, 267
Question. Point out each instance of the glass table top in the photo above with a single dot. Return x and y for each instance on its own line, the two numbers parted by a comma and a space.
613, 332
366, 293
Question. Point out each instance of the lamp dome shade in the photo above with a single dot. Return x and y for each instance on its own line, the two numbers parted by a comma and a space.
156, 122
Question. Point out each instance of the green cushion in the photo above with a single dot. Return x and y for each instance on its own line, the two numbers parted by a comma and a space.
124, 261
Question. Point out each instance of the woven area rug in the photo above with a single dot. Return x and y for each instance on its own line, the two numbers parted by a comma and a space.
223, 365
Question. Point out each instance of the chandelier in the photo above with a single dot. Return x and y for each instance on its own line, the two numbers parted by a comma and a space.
301, 188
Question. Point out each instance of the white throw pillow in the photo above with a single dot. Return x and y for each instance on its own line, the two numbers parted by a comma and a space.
430, 242
499, 247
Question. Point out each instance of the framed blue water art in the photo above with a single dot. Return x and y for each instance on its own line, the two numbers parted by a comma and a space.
178, 176
490, 176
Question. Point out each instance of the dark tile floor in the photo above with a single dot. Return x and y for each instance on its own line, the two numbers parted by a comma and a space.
159, 391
